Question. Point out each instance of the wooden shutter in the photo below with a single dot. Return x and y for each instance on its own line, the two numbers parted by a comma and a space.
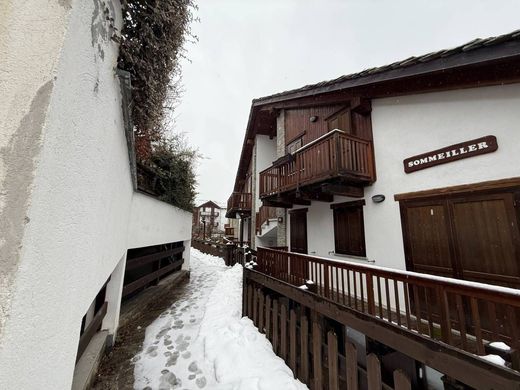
349, 228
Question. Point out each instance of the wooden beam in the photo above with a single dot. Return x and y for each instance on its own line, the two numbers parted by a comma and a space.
131, 287
275, 203
461, 189
343, 190
142, 260
317, 195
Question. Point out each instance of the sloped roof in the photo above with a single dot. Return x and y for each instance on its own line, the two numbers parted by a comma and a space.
473, 45
478, 52
209, 203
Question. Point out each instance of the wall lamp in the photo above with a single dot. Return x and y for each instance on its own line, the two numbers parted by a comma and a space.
378, 198
280, 219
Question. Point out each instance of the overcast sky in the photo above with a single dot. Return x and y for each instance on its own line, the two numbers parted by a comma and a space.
252, 48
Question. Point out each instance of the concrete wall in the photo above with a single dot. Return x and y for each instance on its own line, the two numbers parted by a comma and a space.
410, 125
68, 211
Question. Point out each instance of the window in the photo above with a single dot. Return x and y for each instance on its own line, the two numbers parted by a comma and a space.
293, 146
349, 229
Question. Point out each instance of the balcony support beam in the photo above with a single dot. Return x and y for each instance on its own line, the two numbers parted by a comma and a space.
343, 190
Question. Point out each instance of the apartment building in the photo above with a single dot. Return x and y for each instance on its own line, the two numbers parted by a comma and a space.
412, 165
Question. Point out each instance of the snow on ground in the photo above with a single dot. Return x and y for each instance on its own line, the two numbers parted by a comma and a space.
202, 341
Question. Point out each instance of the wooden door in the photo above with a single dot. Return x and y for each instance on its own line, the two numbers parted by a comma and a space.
298, 232
427, 238
486, 238
471, 237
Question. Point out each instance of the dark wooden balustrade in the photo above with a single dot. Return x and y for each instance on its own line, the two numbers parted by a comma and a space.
240, 202
465, 315
264, 215
336, 154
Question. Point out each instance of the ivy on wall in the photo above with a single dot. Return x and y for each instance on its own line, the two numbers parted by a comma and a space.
151, 44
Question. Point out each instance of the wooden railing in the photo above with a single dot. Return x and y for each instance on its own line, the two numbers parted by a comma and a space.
333, 155
264, 215
466, 315
239, 201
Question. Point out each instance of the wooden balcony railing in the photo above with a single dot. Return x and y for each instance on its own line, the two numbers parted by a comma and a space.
333, 155
239, 202
264, 215
465, 315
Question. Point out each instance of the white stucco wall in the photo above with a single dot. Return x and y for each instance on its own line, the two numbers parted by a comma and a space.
265, 155
81, 212
410, 125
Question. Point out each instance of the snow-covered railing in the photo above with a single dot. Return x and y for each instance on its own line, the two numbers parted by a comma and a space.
467, 315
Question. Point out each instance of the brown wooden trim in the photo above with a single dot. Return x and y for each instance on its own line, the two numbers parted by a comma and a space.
464, 366
304, 210
131, 287
460, 189
91, 330
142, 260
466, 149
337, 112
354, 203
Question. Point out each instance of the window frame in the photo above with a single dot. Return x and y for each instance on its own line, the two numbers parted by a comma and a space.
347, 247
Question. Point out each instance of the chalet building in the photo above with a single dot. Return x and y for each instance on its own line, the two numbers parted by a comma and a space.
412, 165
208, 218
78, 233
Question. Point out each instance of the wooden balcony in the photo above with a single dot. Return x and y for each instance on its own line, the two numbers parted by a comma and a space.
440, 322
239, 202
336, 155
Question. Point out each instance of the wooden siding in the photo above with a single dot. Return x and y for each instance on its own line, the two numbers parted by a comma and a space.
297, 121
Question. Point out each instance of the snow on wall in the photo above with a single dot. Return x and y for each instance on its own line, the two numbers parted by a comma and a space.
75, 210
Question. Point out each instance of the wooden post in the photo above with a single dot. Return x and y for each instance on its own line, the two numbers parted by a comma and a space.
304, 352
332, 355
283, 332
276, 327
352, 366
316, 352
401, 381
293, 342
373, 372
268, 317
261, 309
370, 294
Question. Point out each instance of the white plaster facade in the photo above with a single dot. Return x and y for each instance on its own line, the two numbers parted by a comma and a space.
409, 125
68, 210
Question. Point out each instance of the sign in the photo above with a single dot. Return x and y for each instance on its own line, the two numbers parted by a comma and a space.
451, 153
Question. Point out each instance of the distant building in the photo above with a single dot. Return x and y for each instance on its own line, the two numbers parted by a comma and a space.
208, 219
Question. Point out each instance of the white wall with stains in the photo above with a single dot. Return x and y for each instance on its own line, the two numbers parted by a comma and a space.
68, 210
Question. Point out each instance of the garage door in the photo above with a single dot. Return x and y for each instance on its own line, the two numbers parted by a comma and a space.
472, 237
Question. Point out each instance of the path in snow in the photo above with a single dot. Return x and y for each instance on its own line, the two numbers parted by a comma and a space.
201, 341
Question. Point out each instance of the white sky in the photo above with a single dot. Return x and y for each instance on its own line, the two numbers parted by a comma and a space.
252, 48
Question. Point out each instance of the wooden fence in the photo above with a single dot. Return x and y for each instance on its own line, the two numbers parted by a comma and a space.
303, 329
230, 252
463, 314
